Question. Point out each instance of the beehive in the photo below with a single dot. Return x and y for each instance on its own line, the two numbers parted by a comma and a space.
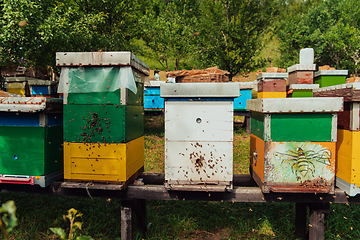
301, 74
301, 90
35, 124
42, 88
17, 85
292, 143
245, 94
152, 99
347, 165
104, 98
199, 135
327, 78
271, 85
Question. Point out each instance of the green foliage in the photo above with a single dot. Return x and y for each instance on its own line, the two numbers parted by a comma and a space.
231, 33
329, 27
169, 31
72, 215
8, 217
36, 30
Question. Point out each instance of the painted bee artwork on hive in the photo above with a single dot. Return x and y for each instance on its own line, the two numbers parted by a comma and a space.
299, 161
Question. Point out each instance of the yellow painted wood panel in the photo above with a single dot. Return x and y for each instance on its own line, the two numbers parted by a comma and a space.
348, 156
20, 91
271, 95
257, 148
135, 156
103, 162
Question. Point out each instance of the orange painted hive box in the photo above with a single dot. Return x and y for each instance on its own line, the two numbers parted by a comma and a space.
292, 144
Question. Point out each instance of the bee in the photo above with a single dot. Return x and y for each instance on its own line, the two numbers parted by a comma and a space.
302, 162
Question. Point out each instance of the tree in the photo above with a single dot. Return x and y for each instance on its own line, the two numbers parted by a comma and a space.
231, 33
36, 30
329, 29
169, 30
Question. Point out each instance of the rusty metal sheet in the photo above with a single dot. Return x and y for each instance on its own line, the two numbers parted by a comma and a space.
29, 104
189, 90
101, 59
296, 105
302, 67
353, 86
300, 189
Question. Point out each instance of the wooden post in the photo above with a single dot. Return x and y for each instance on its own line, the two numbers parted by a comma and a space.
140, 211
126, 220
317, 220
248, 124
300, 220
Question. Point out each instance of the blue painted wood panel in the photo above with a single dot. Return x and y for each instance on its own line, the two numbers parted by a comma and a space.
153, 102
28, 119
41, 90
240, 102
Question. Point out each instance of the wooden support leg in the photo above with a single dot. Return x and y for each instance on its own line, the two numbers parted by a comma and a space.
140, 211
300, 220
248, 124
317, 220
126, 220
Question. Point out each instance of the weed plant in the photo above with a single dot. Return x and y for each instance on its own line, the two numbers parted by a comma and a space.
176, 219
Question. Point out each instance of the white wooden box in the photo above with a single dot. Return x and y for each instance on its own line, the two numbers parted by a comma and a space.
198, 138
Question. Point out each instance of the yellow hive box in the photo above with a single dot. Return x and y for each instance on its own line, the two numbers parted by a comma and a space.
271, 95
103, 162
348, 161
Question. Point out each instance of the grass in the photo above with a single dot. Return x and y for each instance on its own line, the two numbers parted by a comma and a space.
177, 219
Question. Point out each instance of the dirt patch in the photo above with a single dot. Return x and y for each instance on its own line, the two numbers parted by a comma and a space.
218, 235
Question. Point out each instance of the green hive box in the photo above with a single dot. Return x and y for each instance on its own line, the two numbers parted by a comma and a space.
292, 119
103, 96
31, 150
40, 152
108, 97
102, 123
301, 90
327, 78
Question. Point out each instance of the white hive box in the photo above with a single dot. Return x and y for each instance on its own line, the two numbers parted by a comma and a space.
199, 135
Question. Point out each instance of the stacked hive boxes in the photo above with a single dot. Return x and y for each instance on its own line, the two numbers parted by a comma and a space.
199, 135
271, 85
103, 115
30, 140
348, 155
152, 99
301, 76
301, 156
